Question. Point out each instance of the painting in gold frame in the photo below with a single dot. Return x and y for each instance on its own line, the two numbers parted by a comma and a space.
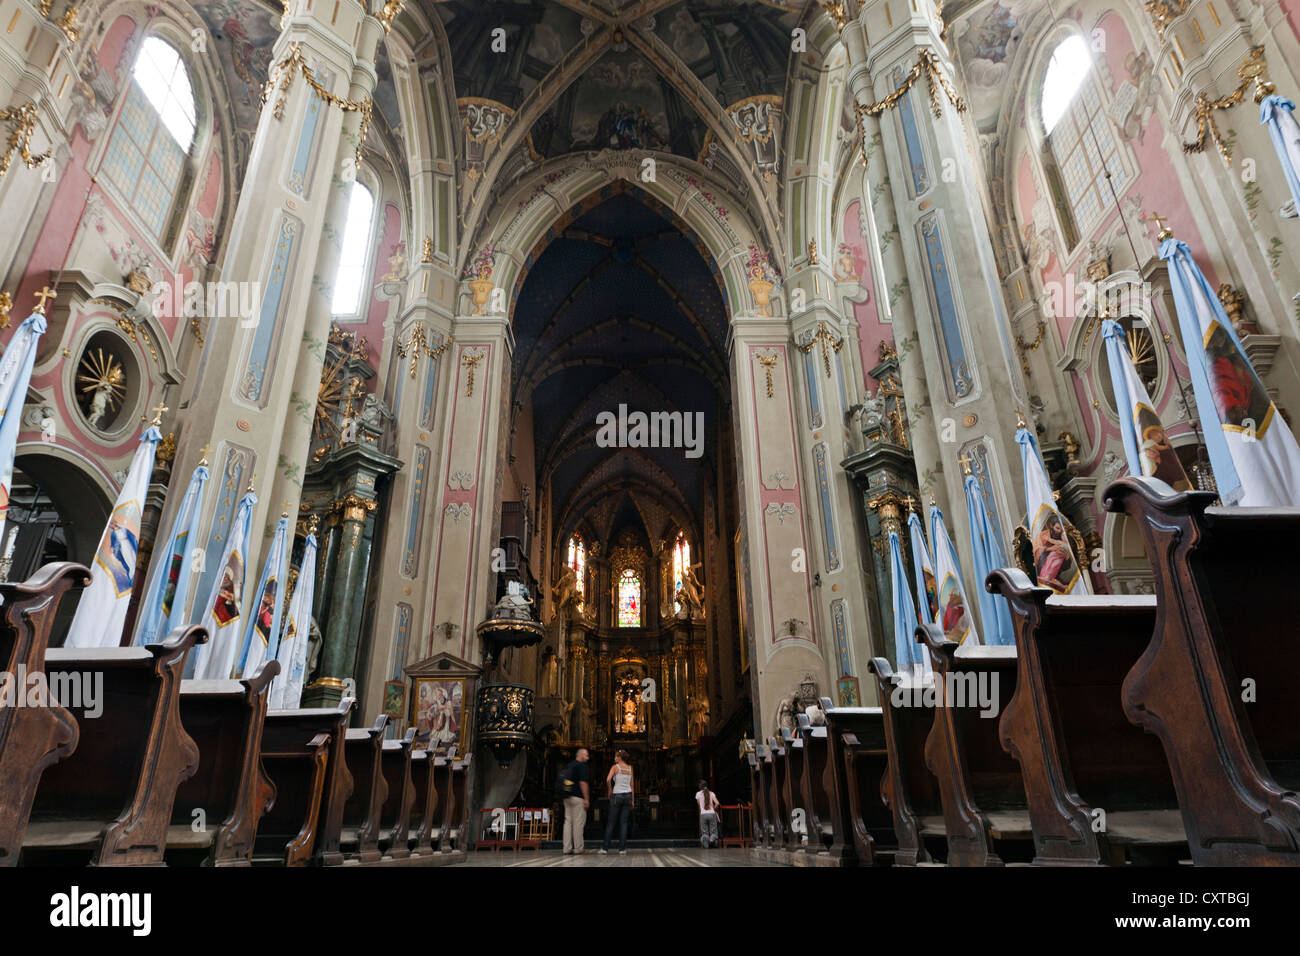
438, 709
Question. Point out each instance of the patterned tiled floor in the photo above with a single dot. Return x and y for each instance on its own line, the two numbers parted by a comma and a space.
664, 857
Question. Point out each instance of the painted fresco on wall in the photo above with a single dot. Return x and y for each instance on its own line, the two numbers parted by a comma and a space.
244, 32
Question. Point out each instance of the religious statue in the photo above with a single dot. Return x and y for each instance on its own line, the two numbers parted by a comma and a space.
567, 719
690, 595
871, 416
697, 716
101, 377
564, 594
785, 714
515, 604
315, 641
374, 413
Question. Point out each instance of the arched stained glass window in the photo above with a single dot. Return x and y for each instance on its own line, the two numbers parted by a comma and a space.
681, 561
351, 276
578, 561
145, 159
629, 599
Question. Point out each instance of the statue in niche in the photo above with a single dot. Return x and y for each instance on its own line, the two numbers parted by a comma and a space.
566, 710
102, 379
564, 594
690, 595
374, 414
697, 716
785, 714
551, 675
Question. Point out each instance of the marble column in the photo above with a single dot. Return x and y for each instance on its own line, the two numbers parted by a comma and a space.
347, 585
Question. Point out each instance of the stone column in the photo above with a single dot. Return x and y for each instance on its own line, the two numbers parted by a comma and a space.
961, 326
346, 584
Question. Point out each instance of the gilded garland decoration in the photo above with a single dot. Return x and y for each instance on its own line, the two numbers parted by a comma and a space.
283, 74
22, 123
1251, 71
928, 65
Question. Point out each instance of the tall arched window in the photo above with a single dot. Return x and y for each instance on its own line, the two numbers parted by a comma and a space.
350, 278
629, 599
577, 560
1080, 141
681, 561
146, 157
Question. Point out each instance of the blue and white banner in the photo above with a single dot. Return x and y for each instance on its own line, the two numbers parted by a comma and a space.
909, 656
927, 588
262, 632
1278, 114
1055, 566
168, 585
220, 612
286, 692
1146, 445
989, 554
953, 618
1255, 457
15, 375
101, 615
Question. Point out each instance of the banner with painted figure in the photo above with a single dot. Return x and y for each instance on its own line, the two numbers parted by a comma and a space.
1254, 455
954, 617
215, 660
168, 585
15, 374
101, 615
1146, 445
286, 691
262, 633
909, 656
1055, 566
927, 588
989, 555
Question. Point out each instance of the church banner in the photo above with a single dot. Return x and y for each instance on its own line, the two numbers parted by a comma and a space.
101, 615
1145, 443
291, 652
1055, 566
216, 659
995, 617
1278, 114
262, 632
953, 617
909, 656
168, 584
15, 374
927, 590
1255, 457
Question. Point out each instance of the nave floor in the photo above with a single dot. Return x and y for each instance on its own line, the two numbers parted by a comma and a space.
656, 857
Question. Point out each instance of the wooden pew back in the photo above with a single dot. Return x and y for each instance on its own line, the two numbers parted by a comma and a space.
363, 751
815, 785
909, 790
395, 814
862, 826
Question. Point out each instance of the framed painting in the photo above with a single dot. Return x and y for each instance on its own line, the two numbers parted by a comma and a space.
438, 709
395, 699
848, 692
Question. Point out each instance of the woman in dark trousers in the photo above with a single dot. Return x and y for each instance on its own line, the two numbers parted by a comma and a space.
622, 797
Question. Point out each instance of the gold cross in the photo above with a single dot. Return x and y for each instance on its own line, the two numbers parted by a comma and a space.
965, 463
1020, 418
1165, 231
285, 512
251, 478
45, 293
205, 451
158, 414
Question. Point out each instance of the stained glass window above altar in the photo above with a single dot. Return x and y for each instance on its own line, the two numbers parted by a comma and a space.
578, 561
629, 599
681, 561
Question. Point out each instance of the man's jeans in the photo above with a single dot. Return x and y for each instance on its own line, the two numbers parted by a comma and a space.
575, 818
620, 811
708, 828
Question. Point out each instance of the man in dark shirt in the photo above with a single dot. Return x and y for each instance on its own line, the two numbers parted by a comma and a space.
577, 799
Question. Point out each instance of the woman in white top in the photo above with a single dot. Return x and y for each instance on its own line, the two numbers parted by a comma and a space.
707, 801
622, 797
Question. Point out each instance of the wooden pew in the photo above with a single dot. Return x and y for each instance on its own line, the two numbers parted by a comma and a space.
1082, 762
31, 738
814, 785
453, 835
363, 751
909, 790
302, 751
230, 789
792, 792
782, 837
426, 768
441, 781
112, 798
758, 797
1225, 585
985, 812
862, 826
395, 814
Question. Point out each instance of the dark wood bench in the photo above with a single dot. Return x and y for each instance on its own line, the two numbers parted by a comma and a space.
363, 751
814, 784
31, 738
395, 814
453, 836
784, 839
909, 790
111, 800
985, 811
302, 751
1098, 787
1217, 685
758, 797
792, 791
862, 826
426, 768
772, 837
217, 810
